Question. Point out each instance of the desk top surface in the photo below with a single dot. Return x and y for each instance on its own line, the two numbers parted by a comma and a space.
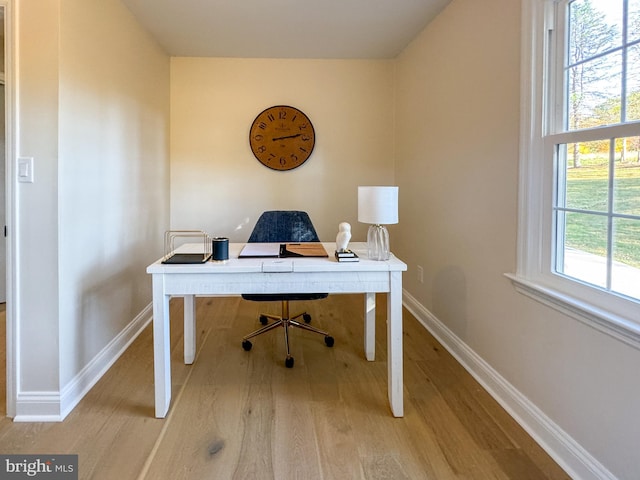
269, 265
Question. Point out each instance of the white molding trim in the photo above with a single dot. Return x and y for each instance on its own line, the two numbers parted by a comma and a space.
619, 328
38, 407
569, 454
12, 247
54, 407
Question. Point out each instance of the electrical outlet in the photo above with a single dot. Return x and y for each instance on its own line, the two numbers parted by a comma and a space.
420, 274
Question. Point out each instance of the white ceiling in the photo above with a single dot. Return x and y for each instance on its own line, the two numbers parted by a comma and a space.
285, 28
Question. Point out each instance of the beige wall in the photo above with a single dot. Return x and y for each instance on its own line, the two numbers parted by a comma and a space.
218, 186
114, 138
94, 114
457, 167
36, 222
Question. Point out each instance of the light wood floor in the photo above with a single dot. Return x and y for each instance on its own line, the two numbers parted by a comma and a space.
243, 415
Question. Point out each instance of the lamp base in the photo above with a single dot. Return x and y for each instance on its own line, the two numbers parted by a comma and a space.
378, 243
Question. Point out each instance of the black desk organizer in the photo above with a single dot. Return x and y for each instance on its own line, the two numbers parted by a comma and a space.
173, 257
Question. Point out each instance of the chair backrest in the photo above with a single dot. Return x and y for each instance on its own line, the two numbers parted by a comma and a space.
284, 226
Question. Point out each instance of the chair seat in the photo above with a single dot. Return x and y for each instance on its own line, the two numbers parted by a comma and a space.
277, 297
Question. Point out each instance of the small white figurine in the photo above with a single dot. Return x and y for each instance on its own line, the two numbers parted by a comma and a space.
343, 237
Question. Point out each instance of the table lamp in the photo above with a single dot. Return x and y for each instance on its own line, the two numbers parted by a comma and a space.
379, 207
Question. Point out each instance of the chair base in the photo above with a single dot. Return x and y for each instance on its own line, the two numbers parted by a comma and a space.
285, 322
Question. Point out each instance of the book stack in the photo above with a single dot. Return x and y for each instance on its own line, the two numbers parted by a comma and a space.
347, 256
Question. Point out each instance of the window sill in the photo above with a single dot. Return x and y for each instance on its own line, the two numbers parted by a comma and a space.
617, 327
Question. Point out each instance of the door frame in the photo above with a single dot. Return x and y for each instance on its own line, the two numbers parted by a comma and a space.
12, 326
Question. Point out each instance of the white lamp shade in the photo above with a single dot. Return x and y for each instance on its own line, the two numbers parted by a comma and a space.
378, 205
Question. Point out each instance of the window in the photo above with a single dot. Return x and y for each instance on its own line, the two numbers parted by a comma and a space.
579, 232
597, 173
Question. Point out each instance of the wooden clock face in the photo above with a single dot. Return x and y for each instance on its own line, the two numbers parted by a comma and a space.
282, 137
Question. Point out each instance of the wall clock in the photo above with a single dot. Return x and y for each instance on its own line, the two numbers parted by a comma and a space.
282, 137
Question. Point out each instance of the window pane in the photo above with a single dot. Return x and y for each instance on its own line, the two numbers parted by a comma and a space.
633, 82
595, 26
634, 20
594, 89
626, 190
585, 248
587, 176
625, 270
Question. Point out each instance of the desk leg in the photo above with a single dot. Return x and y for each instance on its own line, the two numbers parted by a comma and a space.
189, 329
161, 347
370, 326
394, 344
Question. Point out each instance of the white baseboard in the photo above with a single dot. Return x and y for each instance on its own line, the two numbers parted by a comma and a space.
568, 453
54, 406
38, 407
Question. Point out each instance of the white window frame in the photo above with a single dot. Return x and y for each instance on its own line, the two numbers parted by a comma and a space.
607, 312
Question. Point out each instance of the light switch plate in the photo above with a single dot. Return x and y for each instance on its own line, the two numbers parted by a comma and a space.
25, 169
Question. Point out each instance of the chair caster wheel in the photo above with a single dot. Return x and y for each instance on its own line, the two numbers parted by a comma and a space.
264, 320
328, 340
288, 362
307, 318
246, 344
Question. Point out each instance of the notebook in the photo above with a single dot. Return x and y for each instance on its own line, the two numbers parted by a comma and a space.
283, 250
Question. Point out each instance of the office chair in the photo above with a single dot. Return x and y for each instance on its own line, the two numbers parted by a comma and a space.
283, 226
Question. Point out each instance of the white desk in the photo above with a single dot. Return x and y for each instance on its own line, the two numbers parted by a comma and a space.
272, 275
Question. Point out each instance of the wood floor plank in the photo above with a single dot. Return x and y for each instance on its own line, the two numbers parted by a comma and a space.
462, 403
464, 456
295, 448
336, 441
